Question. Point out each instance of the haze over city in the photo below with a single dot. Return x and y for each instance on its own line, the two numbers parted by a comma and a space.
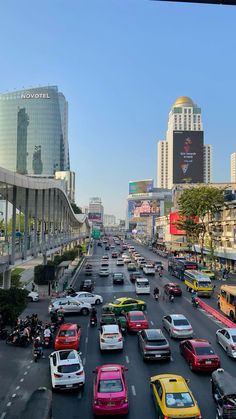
121, 65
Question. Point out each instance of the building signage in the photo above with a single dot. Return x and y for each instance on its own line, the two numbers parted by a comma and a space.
140, 186
35, 96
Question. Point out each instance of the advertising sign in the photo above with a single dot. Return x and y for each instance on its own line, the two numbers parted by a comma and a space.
95, 216
174, 219
143, 208
141, 186
187, 156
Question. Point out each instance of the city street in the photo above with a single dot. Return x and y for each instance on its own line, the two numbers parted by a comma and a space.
22, 376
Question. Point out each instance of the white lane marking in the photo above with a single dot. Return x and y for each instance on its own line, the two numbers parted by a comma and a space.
29, 366
21, 380
172, 359
86, 340
151, 322
127, 359
84, 361
26, 372
17, 388
8, 404
13, 395
80, 395
133, 390
3, 415
31, 361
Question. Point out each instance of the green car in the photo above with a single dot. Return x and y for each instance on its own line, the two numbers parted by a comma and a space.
131, 267
121, 305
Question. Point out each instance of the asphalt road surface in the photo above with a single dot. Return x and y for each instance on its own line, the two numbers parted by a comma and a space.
20, 376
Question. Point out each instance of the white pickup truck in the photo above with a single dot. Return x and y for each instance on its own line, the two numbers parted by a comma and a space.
149, 269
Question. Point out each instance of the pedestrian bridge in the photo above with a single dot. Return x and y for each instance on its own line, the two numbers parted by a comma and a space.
35, 217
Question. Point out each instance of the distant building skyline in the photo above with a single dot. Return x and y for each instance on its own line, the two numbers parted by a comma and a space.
109, 220
233, 167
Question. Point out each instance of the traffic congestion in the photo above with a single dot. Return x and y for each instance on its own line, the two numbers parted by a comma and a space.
128, 338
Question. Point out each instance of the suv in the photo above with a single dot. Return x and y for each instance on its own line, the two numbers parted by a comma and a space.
87, 285
118, 278
153, 345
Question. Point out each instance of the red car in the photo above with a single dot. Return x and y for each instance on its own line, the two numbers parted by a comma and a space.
173, 289
68, 337
200, 355
110, 395
114, 255
136, 321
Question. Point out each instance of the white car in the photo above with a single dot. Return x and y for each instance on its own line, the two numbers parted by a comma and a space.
120, 262
87, 297
110, 337
127, 260
227, 339
104, 263
33, 296
69, 305
149, 269
177, 326
67, 370
104, 272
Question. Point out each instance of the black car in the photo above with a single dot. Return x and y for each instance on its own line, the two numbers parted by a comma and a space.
100, 244
107, 247
153, 345
134, 275
87, 285
118, 278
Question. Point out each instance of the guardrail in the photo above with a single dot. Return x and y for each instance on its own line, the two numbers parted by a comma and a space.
216, 314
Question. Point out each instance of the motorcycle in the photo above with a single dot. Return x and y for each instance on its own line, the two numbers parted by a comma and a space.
46, 341
36, 354
156, 296
195, 303
93, 321
171, 298
17, 339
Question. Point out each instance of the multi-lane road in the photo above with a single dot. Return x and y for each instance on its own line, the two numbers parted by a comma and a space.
20, 376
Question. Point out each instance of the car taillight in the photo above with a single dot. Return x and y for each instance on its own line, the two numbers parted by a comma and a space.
57, 375
119, 339
79, 373
232, 346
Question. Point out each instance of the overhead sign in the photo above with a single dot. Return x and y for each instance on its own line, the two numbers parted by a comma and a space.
96, 234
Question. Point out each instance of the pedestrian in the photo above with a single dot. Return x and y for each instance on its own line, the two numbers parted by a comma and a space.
33, 286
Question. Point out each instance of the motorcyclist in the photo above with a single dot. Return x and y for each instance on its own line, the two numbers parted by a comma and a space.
93, 315
156, 292
54, 317
37, 345
193, 295
47, 332
60, 316
171, 298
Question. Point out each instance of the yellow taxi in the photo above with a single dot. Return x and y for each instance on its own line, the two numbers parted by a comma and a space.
120, 305
173, 398
209, 273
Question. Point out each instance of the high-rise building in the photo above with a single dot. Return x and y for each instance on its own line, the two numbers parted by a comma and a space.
95, 211
182, 157
34, 131
109, 220
233, 167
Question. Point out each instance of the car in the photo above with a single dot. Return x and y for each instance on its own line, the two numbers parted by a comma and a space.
118, 278
136, 321
104, 263
120, 262
88, 271
142, 286
227, 339
87, 285
67, 337
134, 275
127, 259
88, 297
110, 392
66, 369
110, 337
209, 273
108, 318
104, 272
100, 244
69, 306
173, 289
33, 296
158, 265
125, 304
153, 345
141, 264
107, 247
173, 398
149, 269
131, 267
199, 355
105, 257
177, 326
114, 255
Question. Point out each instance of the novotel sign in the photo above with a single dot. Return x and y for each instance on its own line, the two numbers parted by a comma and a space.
35, 96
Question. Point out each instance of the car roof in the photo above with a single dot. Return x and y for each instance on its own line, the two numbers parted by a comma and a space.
153, 333
67, 357
172, 284
177, 316
172, 383
135, 313
200, 342
111, 328
68, 326
110, 371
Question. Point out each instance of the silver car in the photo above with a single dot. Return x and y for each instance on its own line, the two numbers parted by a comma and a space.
69, 305
227, 339
177, 326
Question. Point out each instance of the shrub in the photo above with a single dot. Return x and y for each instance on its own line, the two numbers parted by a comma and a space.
12, 303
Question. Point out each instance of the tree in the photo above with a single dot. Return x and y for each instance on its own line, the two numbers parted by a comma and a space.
192, 230
201, 203
75, 208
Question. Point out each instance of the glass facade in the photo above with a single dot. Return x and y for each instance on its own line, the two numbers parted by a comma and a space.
34, 131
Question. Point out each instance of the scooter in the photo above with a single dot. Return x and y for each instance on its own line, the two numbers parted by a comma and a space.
93, 321
36, 354
46, 341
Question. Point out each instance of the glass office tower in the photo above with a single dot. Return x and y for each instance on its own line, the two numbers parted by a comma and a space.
34, 131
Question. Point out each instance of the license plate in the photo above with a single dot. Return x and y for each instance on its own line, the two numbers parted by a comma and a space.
69, 386
110, 404
208, 362
157, 356
138, 325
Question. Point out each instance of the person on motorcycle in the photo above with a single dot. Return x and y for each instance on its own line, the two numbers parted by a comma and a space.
193, 295
54, 317
47, 332
93, 315
37, 346
156, 292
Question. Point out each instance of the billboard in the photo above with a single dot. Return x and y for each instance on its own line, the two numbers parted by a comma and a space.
174, 219
141, 186
139, 208
95, 216
187, 156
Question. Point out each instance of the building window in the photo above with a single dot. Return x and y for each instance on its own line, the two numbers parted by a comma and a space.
189, 110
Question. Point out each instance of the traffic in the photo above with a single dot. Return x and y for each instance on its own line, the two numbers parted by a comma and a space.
130, 342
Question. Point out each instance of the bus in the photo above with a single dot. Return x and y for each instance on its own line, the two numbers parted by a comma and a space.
196, 281
227, 301
177, 267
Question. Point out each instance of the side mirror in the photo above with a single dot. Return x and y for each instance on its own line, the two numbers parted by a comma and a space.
187, 380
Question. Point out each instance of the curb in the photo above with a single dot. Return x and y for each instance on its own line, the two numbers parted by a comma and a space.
216, 314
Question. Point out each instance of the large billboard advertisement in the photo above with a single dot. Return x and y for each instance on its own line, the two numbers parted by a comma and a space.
139, 208
95, 216
141, 186
174, 219
187, 156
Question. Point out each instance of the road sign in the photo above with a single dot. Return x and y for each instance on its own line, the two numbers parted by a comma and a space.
96, 234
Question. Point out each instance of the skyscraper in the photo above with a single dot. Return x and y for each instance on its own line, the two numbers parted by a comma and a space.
34, 131
96, 210
182, 157
233, 167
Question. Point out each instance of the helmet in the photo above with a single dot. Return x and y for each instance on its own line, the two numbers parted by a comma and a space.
37, 338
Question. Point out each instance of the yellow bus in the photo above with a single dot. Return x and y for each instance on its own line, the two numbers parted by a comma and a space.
201, 284
227, 300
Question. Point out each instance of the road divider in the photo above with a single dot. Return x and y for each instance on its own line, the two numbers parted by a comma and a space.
215, 313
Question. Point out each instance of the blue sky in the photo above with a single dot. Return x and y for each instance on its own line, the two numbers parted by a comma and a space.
121, 64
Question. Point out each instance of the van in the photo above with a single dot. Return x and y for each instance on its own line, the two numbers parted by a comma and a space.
196, 281
142, 286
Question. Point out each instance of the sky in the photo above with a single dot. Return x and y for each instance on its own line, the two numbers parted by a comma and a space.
121, 65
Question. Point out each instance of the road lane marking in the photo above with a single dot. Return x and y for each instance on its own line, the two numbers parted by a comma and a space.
127, 359
133, 390
13, 395
31, 361
29, 366
172, 359
86, 340
18, 387
8, 404
80, 395
26, 372
21, 380
84, 361
3, 415
151, 322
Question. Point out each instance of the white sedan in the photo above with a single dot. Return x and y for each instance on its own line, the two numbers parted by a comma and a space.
88, 297
227, 339
110, 337
33, 296
120, 262
104, 272
66, 369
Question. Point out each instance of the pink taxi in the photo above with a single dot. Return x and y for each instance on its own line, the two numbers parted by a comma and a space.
110, 396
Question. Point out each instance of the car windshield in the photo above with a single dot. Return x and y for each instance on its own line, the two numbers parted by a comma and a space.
110, 386
65, 369
66, 333
157, 342
118, 275
204, 284
181, 322
137, 318
204, 350
234, 338
116, 302
179, 400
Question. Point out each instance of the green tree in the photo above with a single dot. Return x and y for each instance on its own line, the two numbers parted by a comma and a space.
192, 230
201, 203
76, 209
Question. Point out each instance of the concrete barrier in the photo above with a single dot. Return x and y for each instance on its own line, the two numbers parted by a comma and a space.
216, 314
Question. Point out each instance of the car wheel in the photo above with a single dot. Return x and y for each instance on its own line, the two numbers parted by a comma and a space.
97, 302
85, 311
